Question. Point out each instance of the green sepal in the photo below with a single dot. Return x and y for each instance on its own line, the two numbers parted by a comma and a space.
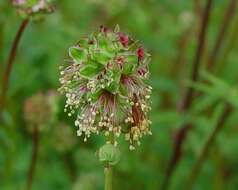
90, 70
132, 59
101, 58
128, 68
117, 29
123, 90
94, 95
114, 85
77, 53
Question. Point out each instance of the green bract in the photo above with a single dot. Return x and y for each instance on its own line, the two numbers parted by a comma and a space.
104, 84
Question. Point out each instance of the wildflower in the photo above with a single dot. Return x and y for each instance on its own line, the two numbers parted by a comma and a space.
105, 87
29, 8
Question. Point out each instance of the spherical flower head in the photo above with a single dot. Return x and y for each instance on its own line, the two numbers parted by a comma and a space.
104, 84
38, 111
32, 8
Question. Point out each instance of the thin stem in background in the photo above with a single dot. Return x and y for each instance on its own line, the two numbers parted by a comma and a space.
181, 60
108, 177
10, 61
205, 150
187, 100
1, 43
222, 32
197, 7
35, 146
230, 45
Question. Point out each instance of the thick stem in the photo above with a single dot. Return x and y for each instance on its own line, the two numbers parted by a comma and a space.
205, 150
187, 100
35, 146
229, 14
108, 177
10, 61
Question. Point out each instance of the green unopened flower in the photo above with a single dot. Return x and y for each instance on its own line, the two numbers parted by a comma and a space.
104, 84
32, 8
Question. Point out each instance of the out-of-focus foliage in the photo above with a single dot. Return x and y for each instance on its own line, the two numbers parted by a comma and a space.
168, 29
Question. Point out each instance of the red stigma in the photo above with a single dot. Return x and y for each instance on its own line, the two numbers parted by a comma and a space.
124, 39
140, 53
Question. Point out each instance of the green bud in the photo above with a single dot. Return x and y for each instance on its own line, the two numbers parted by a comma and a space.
109, 154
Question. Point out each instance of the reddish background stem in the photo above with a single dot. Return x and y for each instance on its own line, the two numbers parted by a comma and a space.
205, 150
222, 32
35, 146
10, 61
187, 100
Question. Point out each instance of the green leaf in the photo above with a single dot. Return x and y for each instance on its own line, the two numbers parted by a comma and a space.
109, 154
90, 71
77, 53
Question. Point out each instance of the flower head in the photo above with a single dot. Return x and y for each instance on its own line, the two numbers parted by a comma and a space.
30, 8
40, 110
105, 86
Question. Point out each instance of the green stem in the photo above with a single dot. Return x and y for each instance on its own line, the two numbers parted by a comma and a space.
108, 177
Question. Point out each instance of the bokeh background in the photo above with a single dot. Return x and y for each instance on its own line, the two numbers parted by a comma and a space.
169, 31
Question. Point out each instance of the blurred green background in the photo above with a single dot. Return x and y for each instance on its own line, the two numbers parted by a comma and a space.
168, 29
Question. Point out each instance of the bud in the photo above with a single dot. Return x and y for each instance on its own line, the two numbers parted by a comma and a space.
109, 154
105, 86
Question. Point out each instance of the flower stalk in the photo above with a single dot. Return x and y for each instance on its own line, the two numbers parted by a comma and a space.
35, 146
28, 11
108, 177
10, 62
